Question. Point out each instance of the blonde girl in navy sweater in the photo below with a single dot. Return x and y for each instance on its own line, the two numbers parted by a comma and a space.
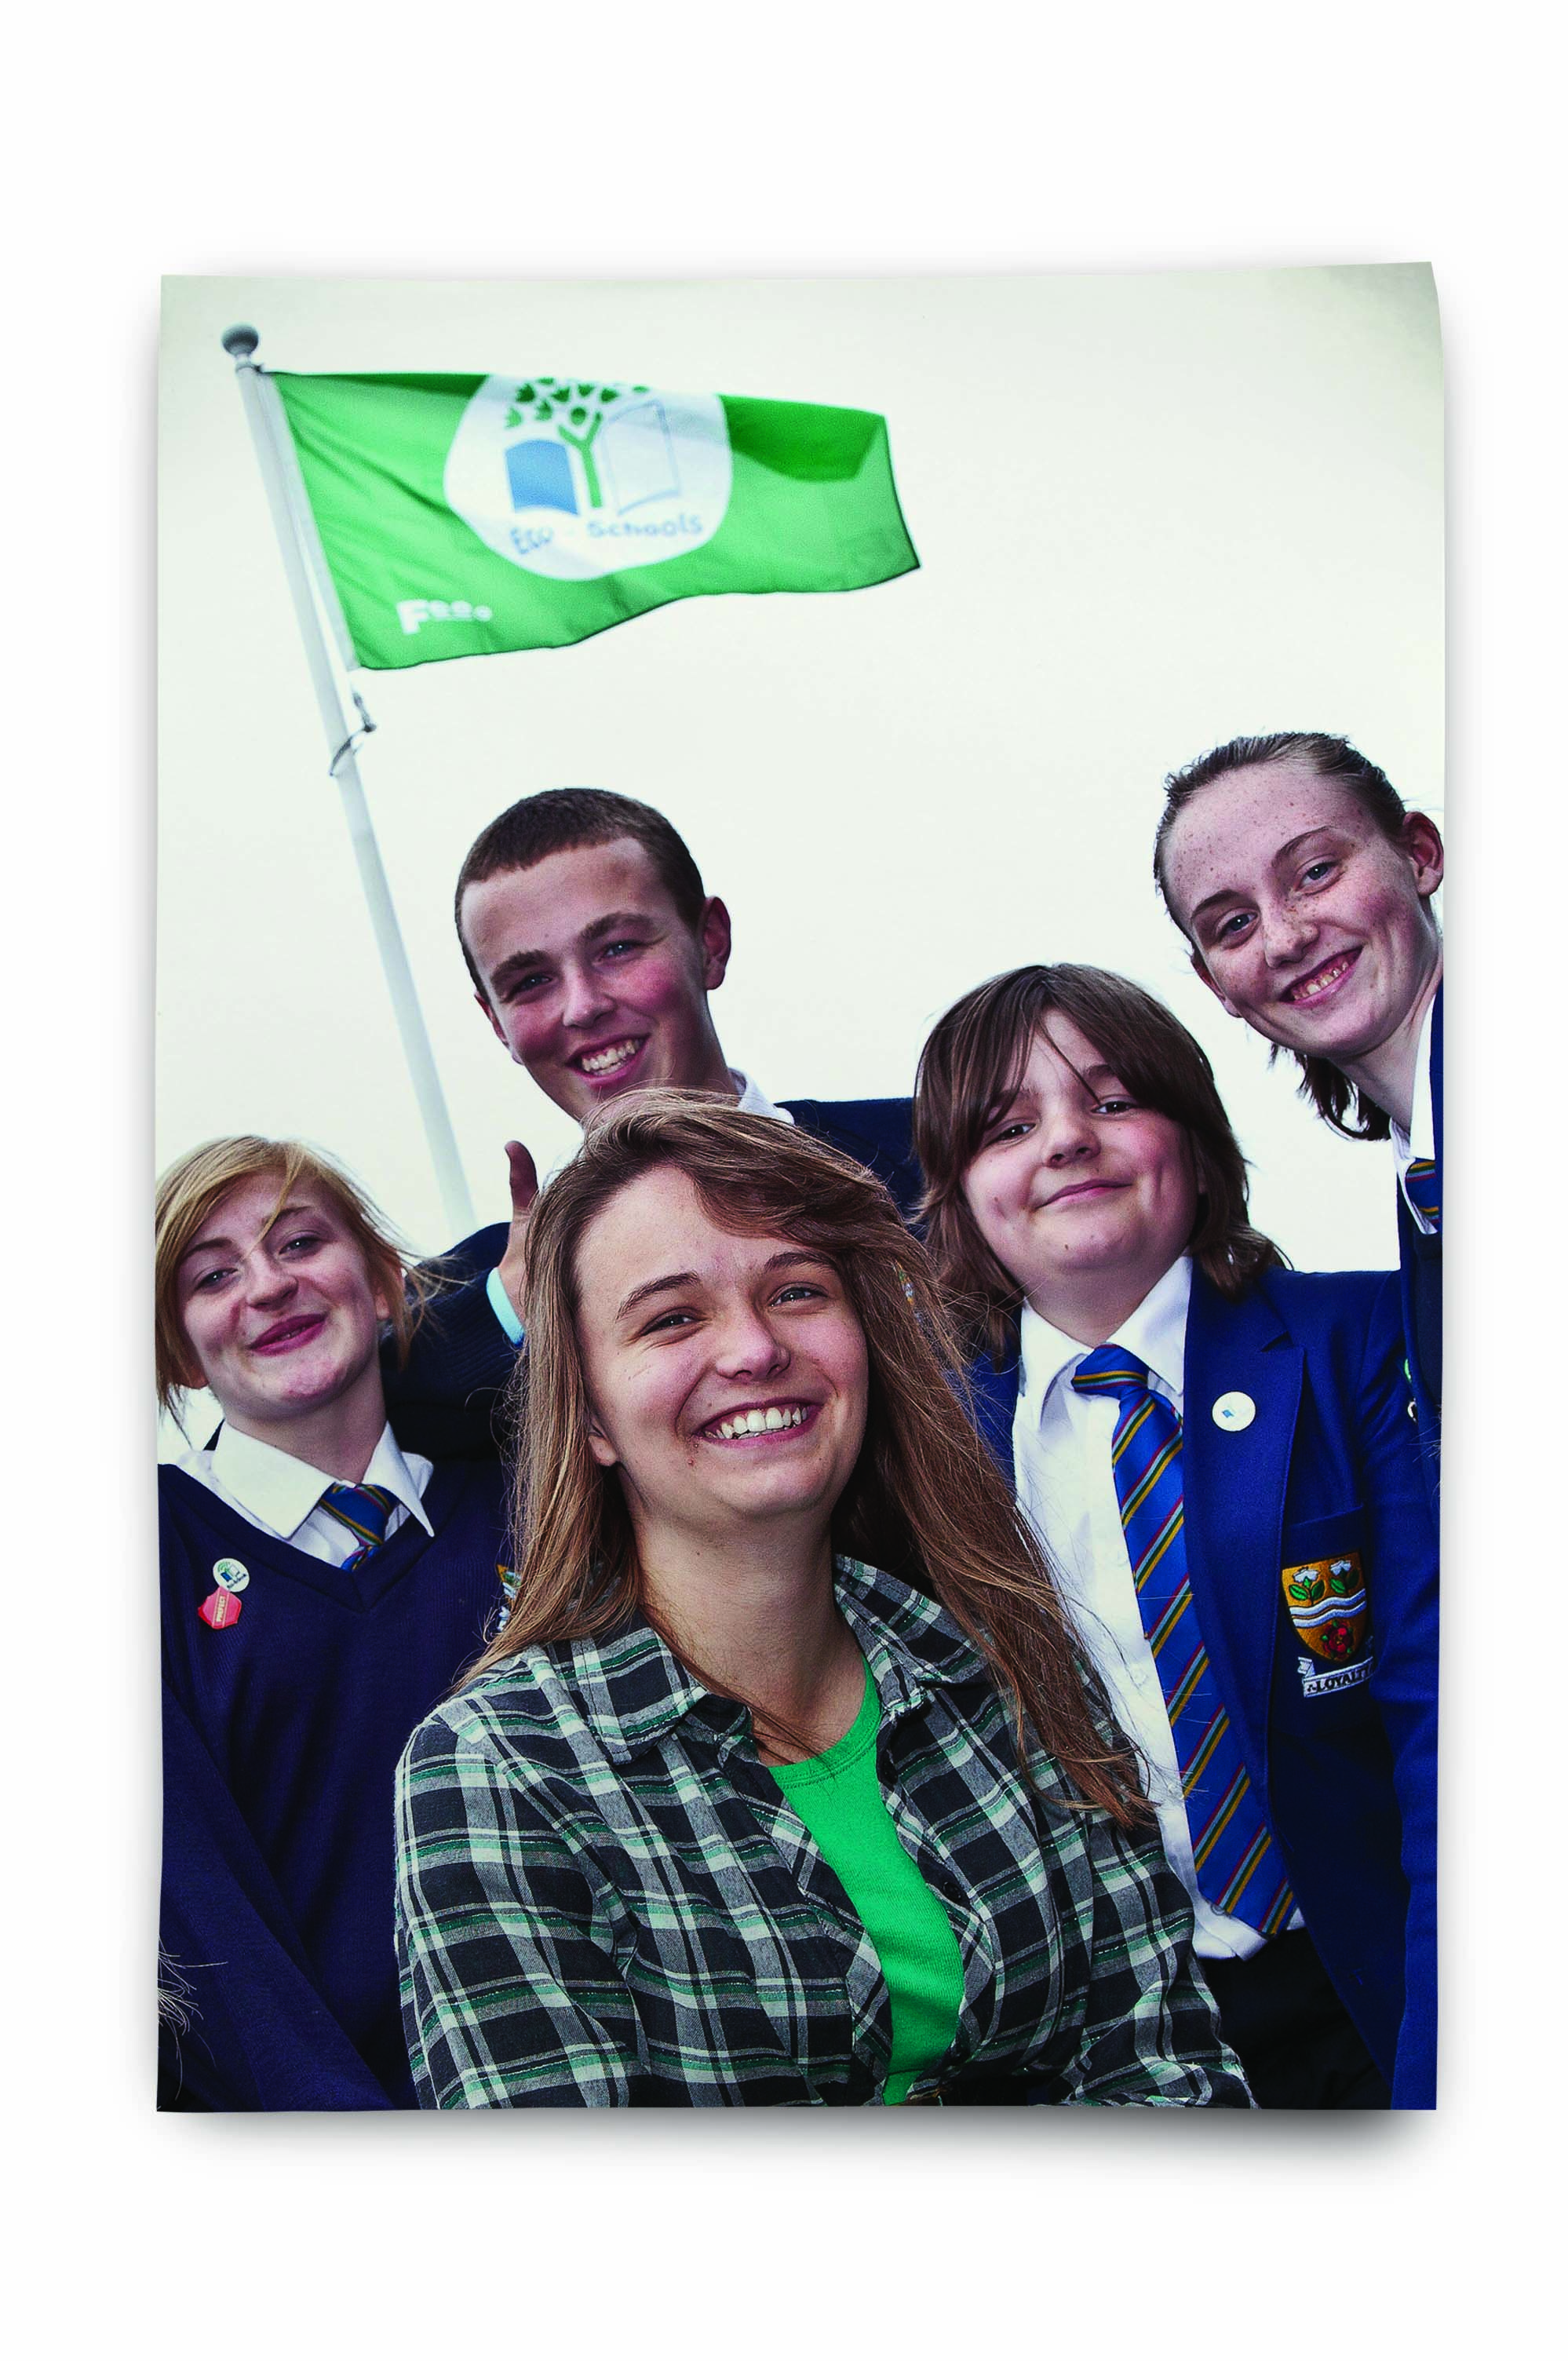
321, 1591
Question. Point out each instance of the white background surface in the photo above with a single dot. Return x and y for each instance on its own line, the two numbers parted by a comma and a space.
849, 138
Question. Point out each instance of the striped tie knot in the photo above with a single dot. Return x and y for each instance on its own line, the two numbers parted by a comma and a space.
1236, 1861
1423, 1190
364, 1509
1111, 1369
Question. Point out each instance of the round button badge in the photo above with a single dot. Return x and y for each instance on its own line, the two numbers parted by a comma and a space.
1234, 1412
229, 1574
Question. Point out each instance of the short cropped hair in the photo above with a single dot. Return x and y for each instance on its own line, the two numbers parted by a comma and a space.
195, 1184
971, 1067
563, 820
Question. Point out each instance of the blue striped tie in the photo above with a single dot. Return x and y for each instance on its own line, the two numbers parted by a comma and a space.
364, 1509
1423, 1188
1239, 1869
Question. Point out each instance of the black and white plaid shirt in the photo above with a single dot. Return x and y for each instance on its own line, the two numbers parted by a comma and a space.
605, 1900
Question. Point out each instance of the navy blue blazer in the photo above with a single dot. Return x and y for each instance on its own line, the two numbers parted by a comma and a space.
1329, 1466
1420, 1288
445, 1398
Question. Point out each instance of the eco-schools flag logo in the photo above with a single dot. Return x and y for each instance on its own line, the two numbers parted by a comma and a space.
572, 479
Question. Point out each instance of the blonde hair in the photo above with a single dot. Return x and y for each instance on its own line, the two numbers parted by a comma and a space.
194, 1185
924, 1501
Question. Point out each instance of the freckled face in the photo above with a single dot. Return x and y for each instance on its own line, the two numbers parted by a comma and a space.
593, 981
280, 1311
727, 1374
1075, 1178
1305, 920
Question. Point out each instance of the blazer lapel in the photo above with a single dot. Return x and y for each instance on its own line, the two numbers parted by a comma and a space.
993, 1398
1235, 1481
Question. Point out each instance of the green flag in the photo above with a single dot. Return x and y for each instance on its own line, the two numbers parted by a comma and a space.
461, 516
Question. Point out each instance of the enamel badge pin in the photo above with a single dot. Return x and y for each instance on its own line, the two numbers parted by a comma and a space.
1233, 1413
223, 1606
1326, 1598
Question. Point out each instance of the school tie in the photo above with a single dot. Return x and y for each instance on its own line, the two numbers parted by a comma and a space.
364, 1509
1423, 1188
1238, 1864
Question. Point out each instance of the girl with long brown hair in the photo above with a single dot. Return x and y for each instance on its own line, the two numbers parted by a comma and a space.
1220, 1456
781, 1785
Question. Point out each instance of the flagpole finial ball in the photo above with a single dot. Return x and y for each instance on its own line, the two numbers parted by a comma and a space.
241, 342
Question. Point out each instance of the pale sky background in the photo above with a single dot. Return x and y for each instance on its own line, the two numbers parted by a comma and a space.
1152, 511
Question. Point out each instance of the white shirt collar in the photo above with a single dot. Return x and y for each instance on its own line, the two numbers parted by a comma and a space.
1155, 1332
752, 1101
1420, 1139
282, 1490
755, 1101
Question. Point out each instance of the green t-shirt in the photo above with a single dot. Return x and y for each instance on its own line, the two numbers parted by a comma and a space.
839, 1797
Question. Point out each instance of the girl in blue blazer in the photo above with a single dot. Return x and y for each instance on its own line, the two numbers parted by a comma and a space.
1305, 889
1222, 1457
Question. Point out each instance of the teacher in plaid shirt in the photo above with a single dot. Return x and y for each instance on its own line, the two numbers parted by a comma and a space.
781, 1785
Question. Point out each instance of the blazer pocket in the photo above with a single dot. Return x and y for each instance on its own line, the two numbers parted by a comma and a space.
1325, 1585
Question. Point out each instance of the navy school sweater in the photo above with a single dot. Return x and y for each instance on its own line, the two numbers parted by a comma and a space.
281, 1735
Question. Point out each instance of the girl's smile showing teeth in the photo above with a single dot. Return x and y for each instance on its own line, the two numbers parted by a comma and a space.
773, 1418
725, 1366
1322, 979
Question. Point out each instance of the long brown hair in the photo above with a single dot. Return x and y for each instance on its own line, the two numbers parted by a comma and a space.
1342, 1107
924, 1501
195, 1183
972, 1065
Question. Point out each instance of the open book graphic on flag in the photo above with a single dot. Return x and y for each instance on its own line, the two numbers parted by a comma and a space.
468, 515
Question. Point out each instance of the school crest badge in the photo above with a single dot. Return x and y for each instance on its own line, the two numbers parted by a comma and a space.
1326, 1600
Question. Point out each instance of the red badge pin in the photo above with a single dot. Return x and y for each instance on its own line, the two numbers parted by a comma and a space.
220, 1609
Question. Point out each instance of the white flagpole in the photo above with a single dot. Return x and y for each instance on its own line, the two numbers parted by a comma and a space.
293, 540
